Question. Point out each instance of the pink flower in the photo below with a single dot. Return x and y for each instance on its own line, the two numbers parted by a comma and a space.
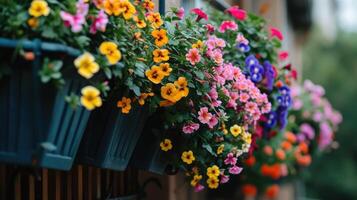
274, 32
204, 116
82, 8
224, 179
251, 107
74, 21
227, 25
200, 14
243, 97
220, 43
237, 13
217, 56
241, 39
230, 159
199, 188
307, 130
210, 28
212, 122
190, 128
235, 170
99, 23
180, 13
193, 56
213, 93
283, 55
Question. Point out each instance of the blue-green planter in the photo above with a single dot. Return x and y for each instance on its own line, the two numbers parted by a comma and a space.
148, 155
110, 137
37, 126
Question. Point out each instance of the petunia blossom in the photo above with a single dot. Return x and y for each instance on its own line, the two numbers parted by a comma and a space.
200, 14
227, 25
99, 23
193, 56
204, 116
235, 170
274, 32
190, 128
230, 159
237, 13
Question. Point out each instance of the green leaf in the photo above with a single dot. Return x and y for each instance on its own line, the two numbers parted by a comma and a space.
209, 149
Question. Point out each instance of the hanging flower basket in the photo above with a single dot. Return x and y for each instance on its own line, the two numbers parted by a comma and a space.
37, 126
111, 136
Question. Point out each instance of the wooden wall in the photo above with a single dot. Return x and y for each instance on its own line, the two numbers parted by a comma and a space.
82, 183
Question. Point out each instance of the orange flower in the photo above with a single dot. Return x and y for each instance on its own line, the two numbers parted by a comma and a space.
160, 55
149, 5
250, 161
303, 147
272, 171
272, 191
160, 37
290, 137
286, 145
154, 74
155, 19
303, 160
170, 92
165, 68
125, 105
280, 154
249, 190
268, 150
139, 22
143, 97
166, 103
181, 84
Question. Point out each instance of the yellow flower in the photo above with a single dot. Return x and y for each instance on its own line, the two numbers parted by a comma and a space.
181, 84
139, 23
220, 149
213, 171
127, 9
166, 145
125, 105
39, 8
160, 55
86, 65
170, 92
198, 45
236, 130
160, 37
165, 68
32, 22
111, 7
155, 74
187, 157
247, 138
90, 98
155, 19
195, 180
213, 182
111, 51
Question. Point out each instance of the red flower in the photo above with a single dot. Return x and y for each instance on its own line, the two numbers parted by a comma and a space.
283, 55
200, 14
210, 28
274, 32
294, 74
272, 191
249, 190
237, 13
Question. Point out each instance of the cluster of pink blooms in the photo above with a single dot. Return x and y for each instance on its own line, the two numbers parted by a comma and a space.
232, 161
320, 112
77, 20
215, 47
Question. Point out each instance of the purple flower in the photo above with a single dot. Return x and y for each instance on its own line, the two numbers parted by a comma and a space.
256, 73
199, 188
307, 130
243, 47
269, 75
251, 60
272, 120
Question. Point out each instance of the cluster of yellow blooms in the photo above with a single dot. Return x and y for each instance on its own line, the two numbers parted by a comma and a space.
119, 7
213, 172
37, 9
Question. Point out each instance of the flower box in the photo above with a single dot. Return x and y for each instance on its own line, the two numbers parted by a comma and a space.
37, 126
111, 136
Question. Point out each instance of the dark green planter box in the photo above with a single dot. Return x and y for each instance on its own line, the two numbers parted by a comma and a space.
33, 114
110, 137
148, 155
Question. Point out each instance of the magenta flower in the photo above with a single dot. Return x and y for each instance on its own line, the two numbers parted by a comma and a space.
235, 170
230, 159
193, 56
274, 32
99, 23
212, 122
227, 25
200, 14
180, 13
307, 130
210, 28
204, 116
243, 97
74, 21
190, 128
224, 179
237, 13
199, 188
283, 55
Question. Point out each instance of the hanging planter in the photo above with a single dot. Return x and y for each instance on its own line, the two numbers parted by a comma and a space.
37, 126
111, 136
147, 154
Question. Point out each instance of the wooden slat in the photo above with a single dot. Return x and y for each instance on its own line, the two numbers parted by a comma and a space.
80, 182
90, 183
17, 187
45, 184
69, 185
2, 182
98, 184
32, 187
58, 185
